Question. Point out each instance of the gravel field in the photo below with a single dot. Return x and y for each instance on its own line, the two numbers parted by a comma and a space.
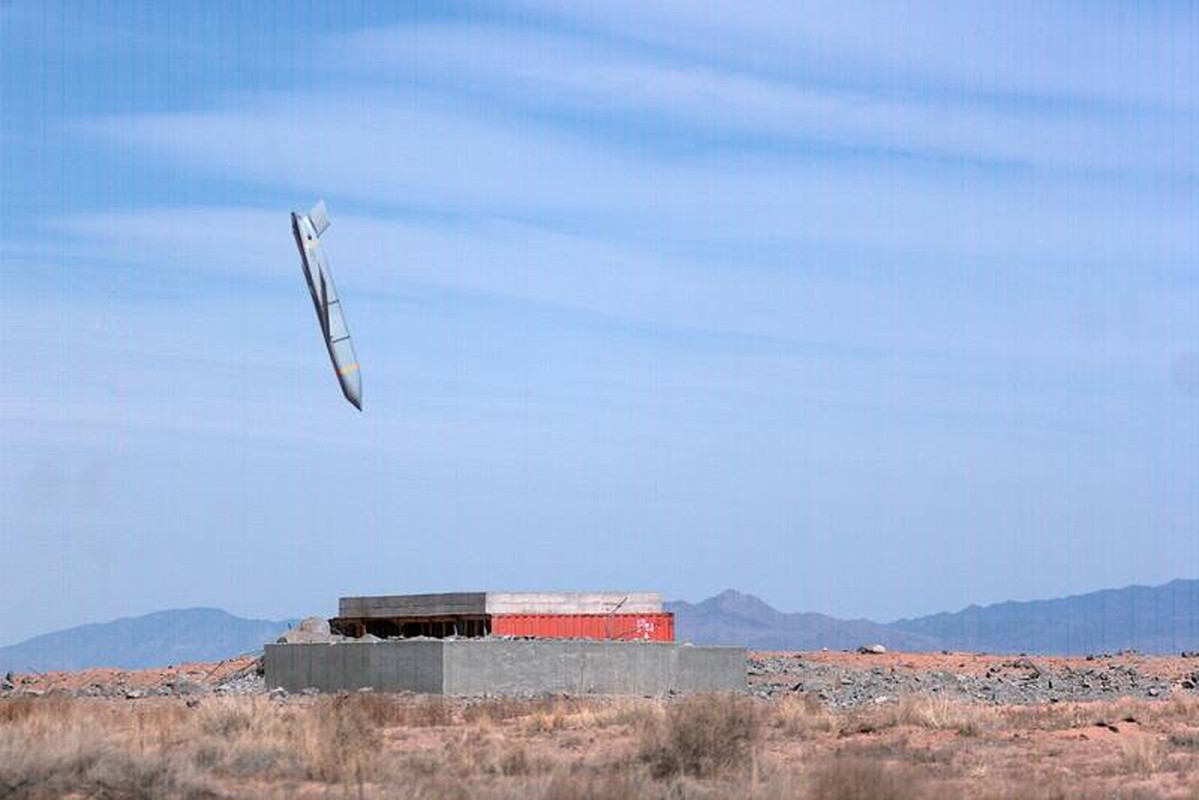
840, 680
847, 680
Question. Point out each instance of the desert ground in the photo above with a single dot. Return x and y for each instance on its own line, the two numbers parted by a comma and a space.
811, 725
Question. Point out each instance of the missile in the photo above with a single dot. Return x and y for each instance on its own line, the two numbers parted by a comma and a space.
307, 229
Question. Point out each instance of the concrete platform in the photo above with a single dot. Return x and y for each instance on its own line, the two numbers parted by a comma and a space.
491, 603
498, 666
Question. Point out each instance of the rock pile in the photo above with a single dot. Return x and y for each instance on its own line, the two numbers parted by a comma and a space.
1018, 680
312, 630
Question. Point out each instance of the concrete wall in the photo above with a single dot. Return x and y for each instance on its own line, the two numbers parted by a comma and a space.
711, 669
496, 666
568, 666
480, 603
384, 666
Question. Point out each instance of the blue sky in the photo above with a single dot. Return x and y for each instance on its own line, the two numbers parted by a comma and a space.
870, 309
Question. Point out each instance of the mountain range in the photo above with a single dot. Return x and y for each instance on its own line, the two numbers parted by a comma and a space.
153, 640
1159, 619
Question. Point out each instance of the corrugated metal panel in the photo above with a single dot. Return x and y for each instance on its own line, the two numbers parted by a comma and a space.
648, 627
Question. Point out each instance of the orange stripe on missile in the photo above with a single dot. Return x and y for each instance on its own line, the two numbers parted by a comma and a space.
347, 369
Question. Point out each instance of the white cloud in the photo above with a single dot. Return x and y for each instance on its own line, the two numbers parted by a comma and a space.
1107, 53
539, 69
1071, 317
389, 149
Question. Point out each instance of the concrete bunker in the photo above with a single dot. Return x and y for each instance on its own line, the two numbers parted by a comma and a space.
477, 643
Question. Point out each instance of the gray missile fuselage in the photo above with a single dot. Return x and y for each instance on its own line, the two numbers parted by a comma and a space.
307, 229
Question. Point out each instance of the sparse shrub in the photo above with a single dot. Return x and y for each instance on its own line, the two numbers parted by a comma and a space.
554, 719
1026, 789
515, 762
1050, 717
118, 775
939, 713
595, 785
1179, 707
251, 760
19, 709
702, 736
696, 748
1142, 755
472, 751
619, 711
425, 712
591, 712
801, 716
858, 778
501, 709
1187, 740
225, 720
74, 762
344, 739
332, 739
232, 737
207, 756
388, 710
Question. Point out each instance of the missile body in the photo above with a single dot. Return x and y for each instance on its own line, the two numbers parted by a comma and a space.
307, 229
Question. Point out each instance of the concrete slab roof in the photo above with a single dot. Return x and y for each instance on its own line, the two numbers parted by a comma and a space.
453, 604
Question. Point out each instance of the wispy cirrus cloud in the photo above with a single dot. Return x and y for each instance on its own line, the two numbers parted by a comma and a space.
628, 128
909, 281
1071, 52
533, 69
882, 312
408, 157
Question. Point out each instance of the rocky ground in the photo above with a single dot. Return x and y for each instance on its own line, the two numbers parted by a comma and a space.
840, 680
235, 676
847, 680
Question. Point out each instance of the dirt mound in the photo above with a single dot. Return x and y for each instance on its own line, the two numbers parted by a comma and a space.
234, 675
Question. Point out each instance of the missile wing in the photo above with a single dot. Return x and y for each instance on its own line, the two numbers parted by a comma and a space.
307, 229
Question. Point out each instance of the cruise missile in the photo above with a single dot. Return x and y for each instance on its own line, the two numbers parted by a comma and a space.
308, 229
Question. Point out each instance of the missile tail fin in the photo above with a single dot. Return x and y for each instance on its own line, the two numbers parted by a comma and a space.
319, 217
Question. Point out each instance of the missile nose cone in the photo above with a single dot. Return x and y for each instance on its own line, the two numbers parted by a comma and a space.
352, 385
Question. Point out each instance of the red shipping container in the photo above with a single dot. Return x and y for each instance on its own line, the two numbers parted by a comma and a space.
647, 627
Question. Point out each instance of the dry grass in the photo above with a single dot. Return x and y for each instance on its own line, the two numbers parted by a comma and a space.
931, 712
387, 746
702, 736
1187, 739
942, 714
1179, 709
1142, 756
801, 716
55, 747
859, 778
408, 711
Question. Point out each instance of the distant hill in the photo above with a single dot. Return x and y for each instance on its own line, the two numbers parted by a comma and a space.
1157, 619
158, 639
742, 619
1160, 619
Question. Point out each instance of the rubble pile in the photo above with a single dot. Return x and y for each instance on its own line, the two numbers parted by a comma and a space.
1021, 680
